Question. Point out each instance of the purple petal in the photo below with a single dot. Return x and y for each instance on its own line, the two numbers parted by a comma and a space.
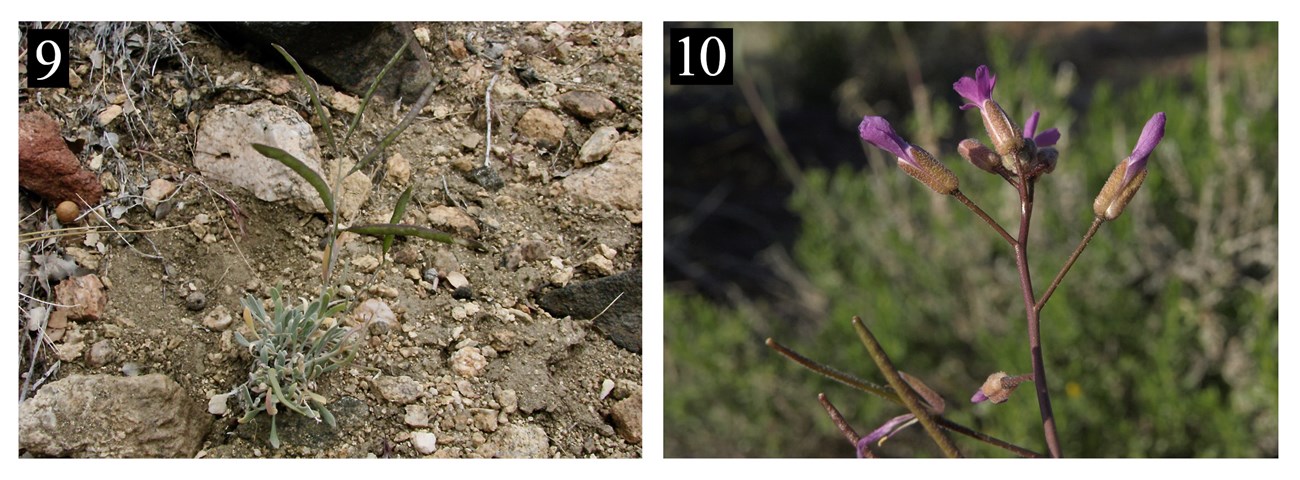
979, 396
1030, 125
1047, 138
977, 89
885, 430
876, 131
1152, 133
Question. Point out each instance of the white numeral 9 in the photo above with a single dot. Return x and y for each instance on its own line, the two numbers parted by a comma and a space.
54, 63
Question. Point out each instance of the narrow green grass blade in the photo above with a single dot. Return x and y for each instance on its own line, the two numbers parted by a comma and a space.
301, 169
315, 99
392, 135
374, 86
398, 211
384, 229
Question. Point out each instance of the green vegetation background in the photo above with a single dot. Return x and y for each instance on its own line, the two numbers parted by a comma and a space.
1161, 342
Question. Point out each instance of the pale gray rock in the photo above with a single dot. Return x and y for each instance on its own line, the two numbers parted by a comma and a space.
106, 416
616, 182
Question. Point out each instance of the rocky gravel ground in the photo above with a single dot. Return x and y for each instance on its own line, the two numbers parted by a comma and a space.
130, 298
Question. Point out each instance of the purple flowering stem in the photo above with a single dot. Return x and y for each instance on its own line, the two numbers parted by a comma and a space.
910, 399
1096, 223
1026, 189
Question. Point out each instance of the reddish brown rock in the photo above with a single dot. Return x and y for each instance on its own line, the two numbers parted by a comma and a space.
48, 168
542, 127
587, 105
86, 293
627, 418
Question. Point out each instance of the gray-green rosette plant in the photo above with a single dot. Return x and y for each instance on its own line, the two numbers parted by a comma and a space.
292, 347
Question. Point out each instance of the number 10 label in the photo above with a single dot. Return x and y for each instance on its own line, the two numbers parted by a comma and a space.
47, 58
700, 56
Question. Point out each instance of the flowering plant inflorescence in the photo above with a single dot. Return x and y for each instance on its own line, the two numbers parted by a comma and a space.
1020, 156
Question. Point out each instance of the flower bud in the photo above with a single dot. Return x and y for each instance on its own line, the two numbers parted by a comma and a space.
912, 159
1006, 137
1044, 162
1021, 159
929, 171
997, 388
1116, 193
980, 156
1127, 177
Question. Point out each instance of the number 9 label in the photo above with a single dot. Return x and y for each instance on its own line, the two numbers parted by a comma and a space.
47, 58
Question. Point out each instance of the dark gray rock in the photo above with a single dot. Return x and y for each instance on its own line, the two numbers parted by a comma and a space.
487, 177
348, 55
463, 293
196, 301
584, 300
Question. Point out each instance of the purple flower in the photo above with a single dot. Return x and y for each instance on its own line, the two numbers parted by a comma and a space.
891, 427
876, 131
977, 89
1045, 139
979, 397
1152, 133
912, 159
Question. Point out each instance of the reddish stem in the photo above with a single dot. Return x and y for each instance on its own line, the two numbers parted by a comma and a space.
1026, 189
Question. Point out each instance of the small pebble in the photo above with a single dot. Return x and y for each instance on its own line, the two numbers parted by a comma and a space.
219, 319
100, 354
509, 400
487, 177
217, 404
377, 314
196, 301
424, 442
606, 387
416, 416
484, 419
468, 362
406, 256
463, 293
457, 279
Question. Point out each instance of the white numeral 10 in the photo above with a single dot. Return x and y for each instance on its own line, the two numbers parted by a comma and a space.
686, 63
